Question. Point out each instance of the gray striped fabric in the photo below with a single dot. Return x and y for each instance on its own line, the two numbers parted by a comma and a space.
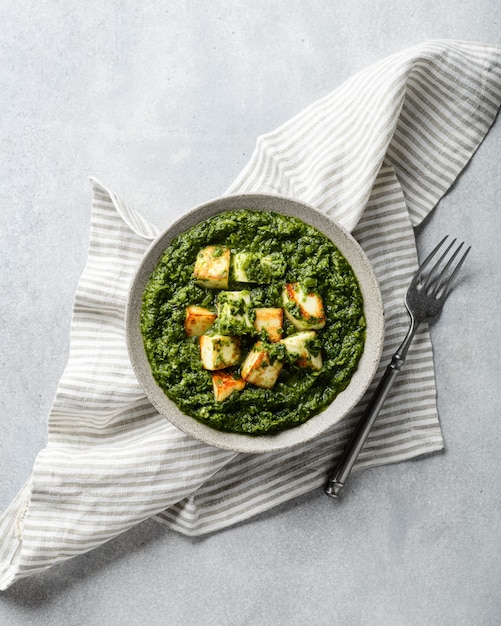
376, 154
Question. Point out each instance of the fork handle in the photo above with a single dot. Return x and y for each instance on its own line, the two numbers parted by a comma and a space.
338, 477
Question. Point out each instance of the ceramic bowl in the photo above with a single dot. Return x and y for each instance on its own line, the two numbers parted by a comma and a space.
342, 404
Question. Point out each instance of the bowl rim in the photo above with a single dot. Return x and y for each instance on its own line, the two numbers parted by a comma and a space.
344, 402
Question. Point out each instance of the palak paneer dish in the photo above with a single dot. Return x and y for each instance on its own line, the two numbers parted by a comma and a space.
252, 322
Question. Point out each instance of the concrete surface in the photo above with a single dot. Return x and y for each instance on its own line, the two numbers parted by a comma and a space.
162, 101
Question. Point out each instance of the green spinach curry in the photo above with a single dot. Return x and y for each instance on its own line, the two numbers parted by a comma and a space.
252, 322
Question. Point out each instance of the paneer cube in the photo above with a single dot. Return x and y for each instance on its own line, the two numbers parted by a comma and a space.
219, 351
258, 369
234, 313
212, 267
270, 320
305, 310
198, 320
224, 384
297, 347
251, 267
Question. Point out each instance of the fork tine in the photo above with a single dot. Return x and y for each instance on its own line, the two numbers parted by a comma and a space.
431, 278
445, 285
438, 281
427, 261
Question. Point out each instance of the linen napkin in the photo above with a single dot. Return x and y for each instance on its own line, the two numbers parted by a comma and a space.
376, 154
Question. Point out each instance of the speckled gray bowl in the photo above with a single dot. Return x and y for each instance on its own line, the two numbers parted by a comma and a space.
343, 403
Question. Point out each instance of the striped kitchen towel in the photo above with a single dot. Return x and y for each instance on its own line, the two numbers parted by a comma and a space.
376, 154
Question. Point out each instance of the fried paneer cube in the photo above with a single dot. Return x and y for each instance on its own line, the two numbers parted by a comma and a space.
234, 312
219, 351
212, 267
298, 346
269, 319
198, 320
304, 309
252, 267
258, 368
224, 384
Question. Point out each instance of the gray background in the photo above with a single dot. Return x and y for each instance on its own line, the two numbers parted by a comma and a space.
163, 101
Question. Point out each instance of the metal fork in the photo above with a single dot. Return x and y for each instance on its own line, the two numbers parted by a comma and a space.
424, 300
